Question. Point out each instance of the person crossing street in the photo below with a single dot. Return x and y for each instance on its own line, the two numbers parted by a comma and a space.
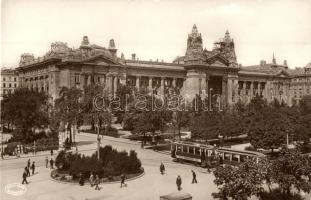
194, 177
178, 182
33, 167
162, 168
25, 176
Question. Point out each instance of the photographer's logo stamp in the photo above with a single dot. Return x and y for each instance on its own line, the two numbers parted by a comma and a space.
15, 189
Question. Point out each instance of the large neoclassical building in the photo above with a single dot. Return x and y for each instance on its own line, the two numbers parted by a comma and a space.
198, 72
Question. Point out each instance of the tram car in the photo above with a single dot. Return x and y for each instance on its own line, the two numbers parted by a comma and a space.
203, 154
192, 152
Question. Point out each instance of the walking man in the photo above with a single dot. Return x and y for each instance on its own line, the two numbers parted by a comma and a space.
178, 182
194, 177
33, 167
123, 179
25, 176
46, 162
92, 178
97, 181
51, 163
162, 168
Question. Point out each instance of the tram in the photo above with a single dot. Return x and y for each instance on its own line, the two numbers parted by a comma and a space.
201, 154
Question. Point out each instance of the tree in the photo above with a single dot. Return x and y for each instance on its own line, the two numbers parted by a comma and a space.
26, 110
206, 125
239, 182
180, 119
288, 170
68, 107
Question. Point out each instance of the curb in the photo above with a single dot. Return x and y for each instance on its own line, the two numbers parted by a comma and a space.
87, 183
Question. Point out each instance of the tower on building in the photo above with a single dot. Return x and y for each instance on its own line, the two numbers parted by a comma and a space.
273, 59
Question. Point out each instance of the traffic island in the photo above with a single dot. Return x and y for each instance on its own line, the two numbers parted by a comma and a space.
65, 177
108, 166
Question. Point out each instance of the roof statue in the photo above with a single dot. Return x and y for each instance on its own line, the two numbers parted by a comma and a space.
112, 44
26, 57
273, 59
194, 45
112, 47
85, 41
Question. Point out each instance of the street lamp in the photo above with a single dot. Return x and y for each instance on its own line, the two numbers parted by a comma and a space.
210, 98
98, 141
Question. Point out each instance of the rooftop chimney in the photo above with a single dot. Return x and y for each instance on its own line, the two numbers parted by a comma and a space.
285, 62
133, 56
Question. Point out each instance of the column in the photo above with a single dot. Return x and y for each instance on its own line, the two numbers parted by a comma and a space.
162, 86
224, 95
137, 82
203, 86
89, 80
236, 89
150, 85
229, 93
109, 83
82, 79
115, 84
174, 82
251, 88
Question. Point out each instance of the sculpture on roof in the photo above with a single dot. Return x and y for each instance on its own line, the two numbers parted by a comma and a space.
194, 45
25, 58
85, 41
59, 47
225, 46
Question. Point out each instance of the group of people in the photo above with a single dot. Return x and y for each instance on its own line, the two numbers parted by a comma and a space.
47, 162
95, 180
178, 179
27, 169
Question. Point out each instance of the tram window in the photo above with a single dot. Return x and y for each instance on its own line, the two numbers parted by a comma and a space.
227, 156
185, 149
197, 151
191, 150
178, 148
243, 158
235, 157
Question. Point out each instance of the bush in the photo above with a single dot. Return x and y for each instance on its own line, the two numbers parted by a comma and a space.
111, 163
110, 131
10, 148
305, 148
276, 194
250, 148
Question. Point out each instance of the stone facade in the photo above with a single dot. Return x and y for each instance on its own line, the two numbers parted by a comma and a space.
208, 73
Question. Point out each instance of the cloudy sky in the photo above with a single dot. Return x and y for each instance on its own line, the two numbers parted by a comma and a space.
157, 29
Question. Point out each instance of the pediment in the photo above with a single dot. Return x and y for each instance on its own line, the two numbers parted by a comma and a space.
102, 59
217, 60
282, 73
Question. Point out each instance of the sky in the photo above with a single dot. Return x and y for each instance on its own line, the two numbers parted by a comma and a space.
158, 29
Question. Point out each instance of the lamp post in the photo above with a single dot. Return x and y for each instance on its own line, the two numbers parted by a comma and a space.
210, 98
98, 141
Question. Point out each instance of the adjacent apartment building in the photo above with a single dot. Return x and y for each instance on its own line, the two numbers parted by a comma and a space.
9, 81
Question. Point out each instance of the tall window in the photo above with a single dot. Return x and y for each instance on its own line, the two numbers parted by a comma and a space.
4, 85
77, 78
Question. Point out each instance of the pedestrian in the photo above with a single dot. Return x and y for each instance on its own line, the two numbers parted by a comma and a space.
25, 176
81, 180
51, 152
97, 182
194, 177
28, 170
208, 165
46, 162
91, 179
28, 163
123, 179
178, 182
33, 167
51, 163
162, 168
